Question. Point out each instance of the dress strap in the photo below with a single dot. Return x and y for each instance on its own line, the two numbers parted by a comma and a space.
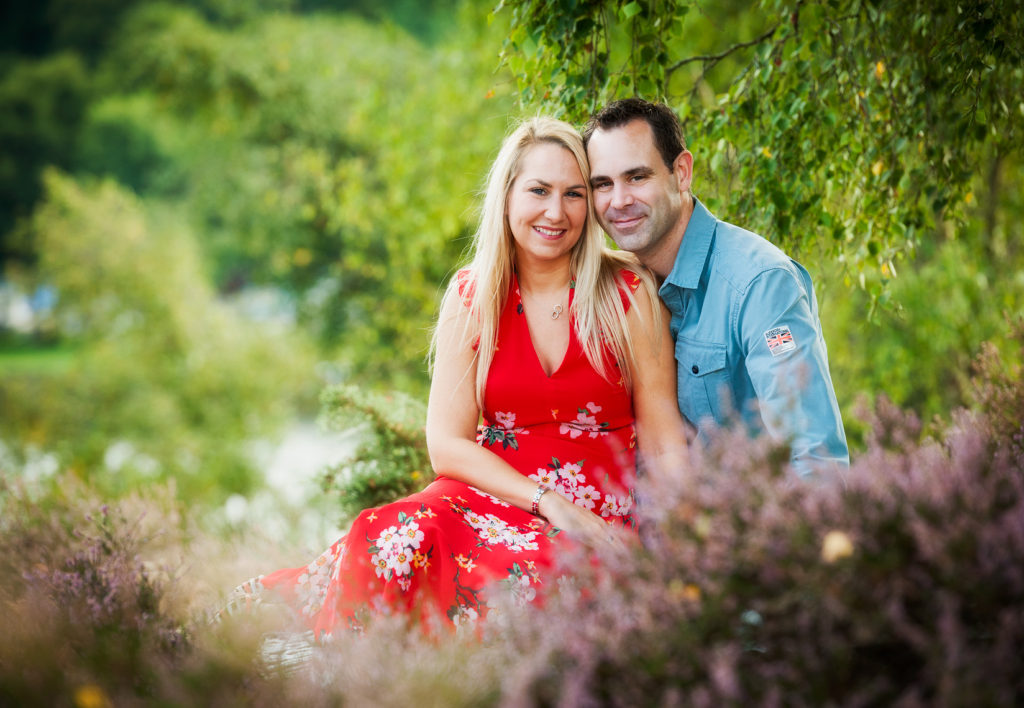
629, 282
467, 286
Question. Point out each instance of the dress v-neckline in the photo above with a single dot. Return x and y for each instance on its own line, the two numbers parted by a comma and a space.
521, 311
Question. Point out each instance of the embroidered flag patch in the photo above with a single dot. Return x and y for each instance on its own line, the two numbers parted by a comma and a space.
780, 340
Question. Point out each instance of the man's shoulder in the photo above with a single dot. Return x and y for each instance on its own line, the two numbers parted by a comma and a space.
740, 255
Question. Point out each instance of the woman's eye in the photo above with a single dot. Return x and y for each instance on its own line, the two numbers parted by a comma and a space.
539, 191
574, 194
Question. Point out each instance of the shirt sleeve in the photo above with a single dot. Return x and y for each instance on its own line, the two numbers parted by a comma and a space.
786, 360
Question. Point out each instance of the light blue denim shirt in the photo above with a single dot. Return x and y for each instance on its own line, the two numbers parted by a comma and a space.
748, 340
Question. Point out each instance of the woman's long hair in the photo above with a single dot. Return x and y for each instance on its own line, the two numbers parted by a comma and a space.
597, 308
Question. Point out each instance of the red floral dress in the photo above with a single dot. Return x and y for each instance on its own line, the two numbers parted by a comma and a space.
444, 550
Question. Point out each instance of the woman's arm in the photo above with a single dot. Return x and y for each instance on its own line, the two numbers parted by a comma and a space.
660, 430
452, 418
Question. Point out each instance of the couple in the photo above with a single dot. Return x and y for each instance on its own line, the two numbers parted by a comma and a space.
563, 347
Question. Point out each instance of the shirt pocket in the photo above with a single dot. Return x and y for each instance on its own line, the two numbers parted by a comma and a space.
703, 381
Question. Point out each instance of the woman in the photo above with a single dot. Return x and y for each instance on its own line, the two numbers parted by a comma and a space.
560, 344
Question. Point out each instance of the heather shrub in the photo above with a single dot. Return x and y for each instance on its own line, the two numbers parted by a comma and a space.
107, 605
998, 388
83, 612
900, 583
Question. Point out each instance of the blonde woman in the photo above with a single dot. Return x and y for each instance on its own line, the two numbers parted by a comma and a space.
552, 367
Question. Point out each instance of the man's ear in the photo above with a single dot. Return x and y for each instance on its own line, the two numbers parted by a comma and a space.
682, 169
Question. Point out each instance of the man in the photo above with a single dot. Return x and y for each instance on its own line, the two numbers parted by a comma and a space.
748, 339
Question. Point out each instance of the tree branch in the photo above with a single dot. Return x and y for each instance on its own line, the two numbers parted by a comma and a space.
715, 58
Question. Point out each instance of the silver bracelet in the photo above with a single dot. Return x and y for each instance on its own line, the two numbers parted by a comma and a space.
541, 491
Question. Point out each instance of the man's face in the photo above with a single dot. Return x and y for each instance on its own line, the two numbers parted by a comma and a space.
639, 201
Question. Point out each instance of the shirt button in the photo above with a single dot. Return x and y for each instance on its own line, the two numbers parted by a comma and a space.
695, 369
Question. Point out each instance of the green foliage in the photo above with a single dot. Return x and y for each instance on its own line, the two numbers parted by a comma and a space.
163, 369
42, 103
849, 123
51, 26
341, 167
126, 138
919, 349
391, 460
998, 388
936, 314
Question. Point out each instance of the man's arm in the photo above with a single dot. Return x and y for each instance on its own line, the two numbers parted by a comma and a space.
787, 362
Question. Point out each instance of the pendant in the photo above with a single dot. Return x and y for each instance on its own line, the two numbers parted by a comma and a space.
556, 311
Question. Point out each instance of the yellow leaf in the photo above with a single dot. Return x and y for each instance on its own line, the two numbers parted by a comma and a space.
835, 546
766, 152
879, 70
702, 526
91, 696
876, 169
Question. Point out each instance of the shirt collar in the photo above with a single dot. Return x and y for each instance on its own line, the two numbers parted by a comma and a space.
694, 249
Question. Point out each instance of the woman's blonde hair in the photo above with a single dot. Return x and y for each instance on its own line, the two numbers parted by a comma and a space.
597, 309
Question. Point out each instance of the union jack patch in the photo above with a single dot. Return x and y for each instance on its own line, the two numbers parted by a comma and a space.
779, 340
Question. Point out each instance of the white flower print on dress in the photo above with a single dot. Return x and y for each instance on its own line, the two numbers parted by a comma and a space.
505, 420
311, 585
572, 473
395, 549
545, 478
568, 480
587, 496
521, 590
616, 506
520, 585
503, 430
411, 535
586, 422
493, 498
464, 617
496, 531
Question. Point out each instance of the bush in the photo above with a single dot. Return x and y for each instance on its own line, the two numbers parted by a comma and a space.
391, 460
85, 615
901, 583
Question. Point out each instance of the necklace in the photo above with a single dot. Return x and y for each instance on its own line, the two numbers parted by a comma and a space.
557, 310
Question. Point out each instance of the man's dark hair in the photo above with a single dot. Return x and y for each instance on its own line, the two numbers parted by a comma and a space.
668, 134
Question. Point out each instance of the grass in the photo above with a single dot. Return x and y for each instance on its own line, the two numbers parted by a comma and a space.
37, 360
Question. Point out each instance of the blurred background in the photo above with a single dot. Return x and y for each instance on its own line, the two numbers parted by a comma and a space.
212, 209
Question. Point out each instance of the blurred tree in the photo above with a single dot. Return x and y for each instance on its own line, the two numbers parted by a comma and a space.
168, 381
947, 306
39, 28
41, 107
341, 166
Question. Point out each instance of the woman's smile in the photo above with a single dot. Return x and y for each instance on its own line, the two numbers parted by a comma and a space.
547, 203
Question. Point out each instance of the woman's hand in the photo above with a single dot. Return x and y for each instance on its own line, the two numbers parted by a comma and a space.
581, 524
